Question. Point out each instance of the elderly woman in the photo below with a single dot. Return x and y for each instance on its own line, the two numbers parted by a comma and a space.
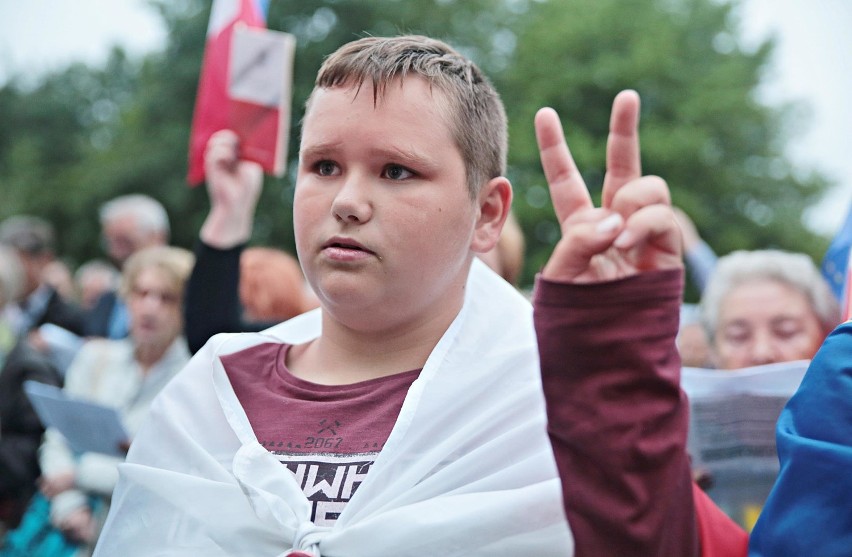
766, 306
126, 374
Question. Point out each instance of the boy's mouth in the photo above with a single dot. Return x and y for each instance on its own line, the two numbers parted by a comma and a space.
345, 244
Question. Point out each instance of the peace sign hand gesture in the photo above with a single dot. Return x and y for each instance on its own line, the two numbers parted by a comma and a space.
633, 231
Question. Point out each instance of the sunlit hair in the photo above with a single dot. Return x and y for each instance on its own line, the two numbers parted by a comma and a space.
272, 287
147, 211
174, 263
476, 117
795, 270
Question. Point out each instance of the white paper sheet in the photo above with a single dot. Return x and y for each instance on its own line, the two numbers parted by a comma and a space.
87, 426
732, 430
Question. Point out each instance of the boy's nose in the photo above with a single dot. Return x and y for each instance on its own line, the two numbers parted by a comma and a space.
352, 203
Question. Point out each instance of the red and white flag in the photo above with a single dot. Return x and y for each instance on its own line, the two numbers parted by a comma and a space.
211, 103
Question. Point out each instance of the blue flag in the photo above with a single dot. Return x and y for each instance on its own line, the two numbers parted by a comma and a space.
835, 264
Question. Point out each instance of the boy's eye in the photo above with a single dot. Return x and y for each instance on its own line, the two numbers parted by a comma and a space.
326, 168
396, 172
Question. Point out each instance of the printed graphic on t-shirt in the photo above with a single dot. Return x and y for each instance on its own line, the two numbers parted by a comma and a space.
328, 480
329, 464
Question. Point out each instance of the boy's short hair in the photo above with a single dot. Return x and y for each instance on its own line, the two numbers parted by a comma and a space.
477, 118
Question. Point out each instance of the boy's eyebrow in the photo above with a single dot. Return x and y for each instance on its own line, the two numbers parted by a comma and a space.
319, 149
392, 153
410, 157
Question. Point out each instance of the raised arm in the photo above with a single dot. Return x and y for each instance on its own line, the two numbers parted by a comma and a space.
606, 315
211, 304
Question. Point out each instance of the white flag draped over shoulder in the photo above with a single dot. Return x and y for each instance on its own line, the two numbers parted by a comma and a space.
467, 470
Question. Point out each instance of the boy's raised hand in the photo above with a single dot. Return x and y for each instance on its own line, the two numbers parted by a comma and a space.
633, 231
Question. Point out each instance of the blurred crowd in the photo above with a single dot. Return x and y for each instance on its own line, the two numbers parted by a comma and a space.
114, 330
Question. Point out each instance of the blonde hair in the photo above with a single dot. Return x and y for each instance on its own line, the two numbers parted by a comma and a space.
477, 118
175, 263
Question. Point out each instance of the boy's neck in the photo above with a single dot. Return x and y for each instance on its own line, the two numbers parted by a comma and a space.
341, 356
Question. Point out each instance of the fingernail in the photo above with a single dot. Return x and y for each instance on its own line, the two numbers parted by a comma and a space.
624, 240
609, 224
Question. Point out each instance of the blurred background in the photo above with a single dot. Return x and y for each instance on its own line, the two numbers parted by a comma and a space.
743, 105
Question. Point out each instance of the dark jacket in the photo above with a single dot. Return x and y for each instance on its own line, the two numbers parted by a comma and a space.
99, 317
63, 314
20, 429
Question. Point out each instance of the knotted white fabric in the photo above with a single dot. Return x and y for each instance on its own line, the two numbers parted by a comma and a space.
466, 471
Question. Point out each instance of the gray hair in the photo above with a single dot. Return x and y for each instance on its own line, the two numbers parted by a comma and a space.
99, 267
795, 270
27, 234
148, 212
11, 275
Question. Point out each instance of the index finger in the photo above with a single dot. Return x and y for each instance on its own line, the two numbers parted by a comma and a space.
623, 159
567, 188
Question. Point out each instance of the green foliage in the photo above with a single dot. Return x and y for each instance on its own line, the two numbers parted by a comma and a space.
702, 129
84, 135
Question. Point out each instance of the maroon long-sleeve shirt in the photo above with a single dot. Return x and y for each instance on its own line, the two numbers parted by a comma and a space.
618, 420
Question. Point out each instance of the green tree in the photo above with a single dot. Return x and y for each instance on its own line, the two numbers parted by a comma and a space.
702, 129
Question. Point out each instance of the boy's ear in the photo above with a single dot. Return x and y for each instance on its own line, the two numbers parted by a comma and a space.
495, 200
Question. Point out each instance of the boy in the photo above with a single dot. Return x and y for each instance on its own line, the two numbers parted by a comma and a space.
417, 382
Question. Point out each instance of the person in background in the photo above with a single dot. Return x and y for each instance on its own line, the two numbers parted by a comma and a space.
11, 285
507, 257
126, 374
700, 259
128, 223
766, 306
20, 428
760, 307
272, 287
57, 274
692, 341
39, 303
93, 279
48, 321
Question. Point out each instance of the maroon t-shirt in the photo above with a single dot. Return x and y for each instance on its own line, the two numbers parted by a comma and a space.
328, 436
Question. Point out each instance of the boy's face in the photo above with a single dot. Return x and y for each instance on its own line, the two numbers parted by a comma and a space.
382, 215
